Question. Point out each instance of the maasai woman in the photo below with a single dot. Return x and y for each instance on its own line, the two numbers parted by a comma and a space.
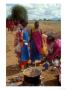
23, 50
36, 43
8, 24
54, 48
18, 34
11, 25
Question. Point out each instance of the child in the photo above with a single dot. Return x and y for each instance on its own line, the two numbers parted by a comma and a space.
44, 48
18, 34
46, 65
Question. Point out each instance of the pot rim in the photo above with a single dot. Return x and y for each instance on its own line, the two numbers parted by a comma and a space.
32, 76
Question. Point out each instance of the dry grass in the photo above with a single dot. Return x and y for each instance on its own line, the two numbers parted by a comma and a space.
47, 26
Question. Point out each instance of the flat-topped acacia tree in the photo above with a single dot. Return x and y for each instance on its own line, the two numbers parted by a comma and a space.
19, 13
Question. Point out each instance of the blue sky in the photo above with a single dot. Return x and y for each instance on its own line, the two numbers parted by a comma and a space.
39, 11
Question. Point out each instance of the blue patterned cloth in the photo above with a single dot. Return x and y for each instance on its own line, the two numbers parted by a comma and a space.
35, 55
25, 49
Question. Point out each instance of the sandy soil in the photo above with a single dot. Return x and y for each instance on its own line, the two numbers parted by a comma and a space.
12, 70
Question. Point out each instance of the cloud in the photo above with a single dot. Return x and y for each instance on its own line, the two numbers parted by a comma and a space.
40, 11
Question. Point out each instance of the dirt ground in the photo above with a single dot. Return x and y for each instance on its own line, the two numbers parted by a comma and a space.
12, 70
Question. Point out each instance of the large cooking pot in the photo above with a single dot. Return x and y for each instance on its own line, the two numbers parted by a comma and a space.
32, 76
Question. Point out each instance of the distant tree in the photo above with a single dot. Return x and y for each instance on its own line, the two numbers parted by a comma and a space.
19, 12
59, 19
44, 19
40, 19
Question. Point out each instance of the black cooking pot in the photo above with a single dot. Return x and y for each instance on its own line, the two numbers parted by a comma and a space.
32, 80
